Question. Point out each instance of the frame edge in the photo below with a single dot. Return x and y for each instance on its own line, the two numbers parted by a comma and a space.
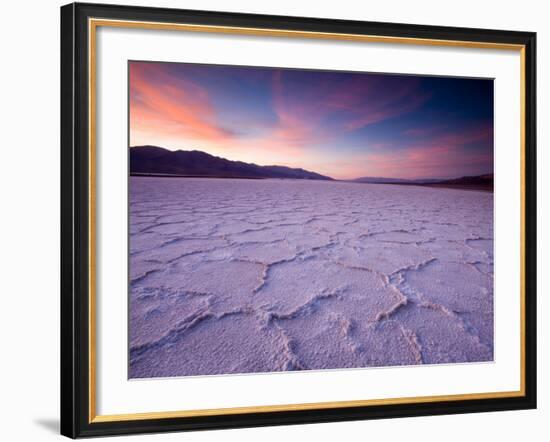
68, 402
530, 225
74, 247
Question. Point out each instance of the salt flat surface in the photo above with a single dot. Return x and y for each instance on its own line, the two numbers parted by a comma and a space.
239, 276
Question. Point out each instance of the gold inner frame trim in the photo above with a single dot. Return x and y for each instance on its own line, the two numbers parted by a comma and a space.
93, 24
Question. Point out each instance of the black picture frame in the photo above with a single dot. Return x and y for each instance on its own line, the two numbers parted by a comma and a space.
75, 221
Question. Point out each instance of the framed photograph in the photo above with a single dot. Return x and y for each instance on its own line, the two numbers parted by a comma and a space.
275, 220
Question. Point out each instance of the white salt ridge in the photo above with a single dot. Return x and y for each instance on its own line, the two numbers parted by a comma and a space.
241, 276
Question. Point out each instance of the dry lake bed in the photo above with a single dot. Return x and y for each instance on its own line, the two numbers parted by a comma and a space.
248, 276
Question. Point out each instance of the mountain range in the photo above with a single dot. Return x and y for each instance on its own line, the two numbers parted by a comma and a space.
153, 160
384, 180
485, 181
158, 161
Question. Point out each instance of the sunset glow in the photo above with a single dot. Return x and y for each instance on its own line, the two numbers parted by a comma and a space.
341, 124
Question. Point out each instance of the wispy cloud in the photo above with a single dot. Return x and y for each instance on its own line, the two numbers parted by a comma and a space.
442, 155
171, 105
323, 110
340, 124
380, 101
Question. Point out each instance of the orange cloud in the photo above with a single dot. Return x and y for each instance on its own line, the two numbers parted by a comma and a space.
165, 106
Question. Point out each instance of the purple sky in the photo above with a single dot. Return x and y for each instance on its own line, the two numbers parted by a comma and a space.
345, 125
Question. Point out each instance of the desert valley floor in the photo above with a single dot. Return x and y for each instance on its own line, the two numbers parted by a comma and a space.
241, 276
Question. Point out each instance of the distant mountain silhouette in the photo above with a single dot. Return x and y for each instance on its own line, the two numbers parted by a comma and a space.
382, 180
478, 181
153, 160
486, 179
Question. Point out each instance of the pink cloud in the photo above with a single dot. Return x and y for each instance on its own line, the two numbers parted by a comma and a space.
374, 107
440, 156
297, 117
158, 105
420, 132
328, 109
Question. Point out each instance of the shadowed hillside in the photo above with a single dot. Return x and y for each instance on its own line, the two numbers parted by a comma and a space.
152, 160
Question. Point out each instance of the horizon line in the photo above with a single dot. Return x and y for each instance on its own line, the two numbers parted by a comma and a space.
310, 170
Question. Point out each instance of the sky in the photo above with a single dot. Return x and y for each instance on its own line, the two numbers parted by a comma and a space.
341, 124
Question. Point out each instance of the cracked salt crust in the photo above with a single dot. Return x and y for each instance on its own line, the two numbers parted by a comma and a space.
241, 276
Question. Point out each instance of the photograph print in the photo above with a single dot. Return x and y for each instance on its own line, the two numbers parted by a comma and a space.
291, 219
